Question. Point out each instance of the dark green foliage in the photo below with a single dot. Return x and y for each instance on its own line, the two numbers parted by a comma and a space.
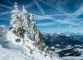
41, 42
17, 40
40, 37
21, 32
34, 27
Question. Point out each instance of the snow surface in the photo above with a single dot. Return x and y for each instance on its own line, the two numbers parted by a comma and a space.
18, 51
72, 58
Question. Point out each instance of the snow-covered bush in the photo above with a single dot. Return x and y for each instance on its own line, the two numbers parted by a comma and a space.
21, 32
17, 40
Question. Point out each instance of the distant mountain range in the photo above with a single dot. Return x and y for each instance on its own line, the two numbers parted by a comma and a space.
63, 40
78, 36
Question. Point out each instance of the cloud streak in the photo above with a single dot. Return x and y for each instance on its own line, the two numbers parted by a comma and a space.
79, 11
39, 7
4, 13
46, 24
57, 8
5, 6
10, 2
5, 19
60, 21
41, 17
29, 5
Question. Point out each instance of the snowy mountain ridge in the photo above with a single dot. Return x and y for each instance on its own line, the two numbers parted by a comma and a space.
22, 40
78, 36
61, 41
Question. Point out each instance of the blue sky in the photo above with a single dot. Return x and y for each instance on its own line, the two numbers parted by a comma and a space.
51, 15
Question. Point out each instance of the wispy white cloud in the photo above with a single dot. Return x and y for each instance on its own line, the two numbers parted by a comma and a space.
46, 24
79, 11
69, 19
10, 2
75, 14
6, 6
4, 13
29, 5
39, 7
41, 17
57, 8
5, 19
60, 30
65, 21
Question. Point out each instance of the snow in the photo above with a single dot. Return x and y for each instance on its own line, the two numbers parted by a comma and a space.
57, 45
52, 47
67, 35
72, 58
58, 33
18, 51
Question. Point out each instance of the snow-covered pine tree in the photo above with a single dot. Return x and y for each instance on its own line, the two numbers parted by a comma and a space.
25, 17
29, 25
16, 17
22, 24
16, 22
31, 30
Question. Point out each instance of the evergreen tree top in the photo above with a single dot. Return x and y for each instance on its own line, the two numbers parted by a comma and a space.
15, 10
15, 6
31, 18
24, 10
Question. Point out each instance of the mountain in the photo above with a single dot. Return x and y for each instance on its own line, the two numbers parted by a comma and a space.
22, 40
59, 40
78, 36
63, 44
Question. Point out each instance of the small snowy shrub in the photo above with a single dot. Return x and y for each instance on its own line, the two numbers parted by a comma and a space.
17, 40
7, 41
21, 32
31, 51
14, 31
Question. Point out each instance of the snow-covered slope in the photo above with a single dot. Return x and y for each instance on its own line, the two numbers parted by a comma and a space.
22, 40
12, 50
18, 51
